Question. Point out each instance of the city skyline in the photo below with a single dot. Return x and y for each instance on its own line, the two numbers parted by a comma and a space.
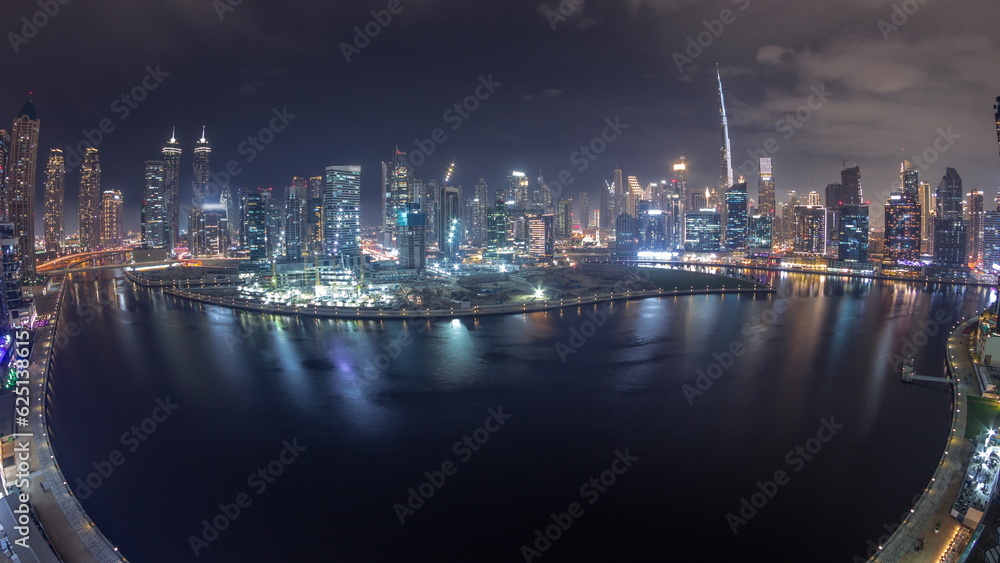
668, 111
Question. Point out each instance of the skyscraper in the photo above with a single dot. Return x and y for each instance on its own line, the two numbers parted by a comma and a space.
480, 205
55, 196
975, 226
496, 227
681, 178
737, 217
813, 198
172, 188
633, 196
726, 179
4, 176
90, 199
765, 188
111, 219
411, 235
202, 171
11, 301
809, 229
616, 205
397, 192
23, 172
850, 182
342, 214
517, 190
703, 231
449, 217
950, 235
852, 242
583, 215
761, 232
296, 197
564, 218
991, 241
255, 204
155, 222
927, 206
996, 108
541, 236
902, 230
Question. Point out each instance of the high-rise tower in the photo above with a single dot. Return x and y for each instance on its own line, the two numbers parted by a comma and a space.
23, 171
342, 214
765, 188
950, 236
4, 175
397, 192
55, 196
155, 231
111, 219
90, 199
976, 214
726, 179
202, 171
172, 188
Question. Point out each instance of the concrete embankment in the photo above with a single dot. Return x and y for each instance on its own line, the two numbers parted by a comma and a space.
73, 535
934, 504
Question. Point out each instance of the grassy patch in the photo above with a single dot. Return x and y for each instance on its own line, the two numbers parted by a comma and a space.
981, 415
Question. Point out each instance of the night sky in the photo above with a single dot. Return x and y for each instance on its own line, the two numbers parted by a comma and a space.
891, 88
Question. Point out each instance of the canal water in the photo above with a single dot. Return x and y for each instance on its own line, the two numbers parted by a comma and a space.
746, 428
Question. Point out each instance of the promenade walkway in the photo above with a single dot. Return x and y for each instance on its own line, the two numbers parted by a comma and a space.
934, 504
73, 535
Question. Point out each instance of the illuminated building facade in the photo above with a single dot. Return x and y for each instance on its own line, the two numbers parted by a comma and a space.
55, 198
541, 236
21, 187
809, 229
950, 232
703, 230
342, 214
155, 226
765, 188
852, 242
737, 217
90, 199
412, 237
172, 188
111, 219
